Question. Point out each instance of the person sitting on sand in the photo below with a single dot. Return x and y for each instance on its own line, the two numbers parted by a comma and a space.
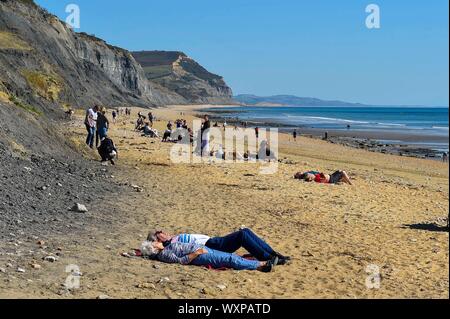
200, 255
107, 150
243, 238
335, 178
149, 131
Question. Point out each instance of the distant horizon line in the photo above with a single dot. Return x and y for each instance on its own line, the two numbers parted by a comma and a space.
337, 100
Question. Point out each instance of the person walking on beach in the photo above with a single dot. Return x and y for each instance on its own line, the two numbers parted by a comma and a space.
90, 122
294, 135
257, 132
445, 157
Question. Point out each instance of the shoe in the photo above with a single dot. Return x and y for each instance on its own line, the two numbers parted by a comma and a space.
270, 265
112, 162
284, 261
280, 256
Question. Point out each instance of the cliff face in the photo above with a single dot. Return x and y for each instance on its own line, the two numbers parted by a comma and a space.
43, 62
181, 74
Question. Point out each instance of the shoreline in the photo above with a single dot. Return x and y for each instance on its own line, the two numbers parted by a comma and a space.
395, 143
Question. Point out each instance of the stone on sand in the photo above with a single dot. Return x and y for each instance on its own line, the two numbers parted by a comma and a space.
221, 287
79, 208
50, 259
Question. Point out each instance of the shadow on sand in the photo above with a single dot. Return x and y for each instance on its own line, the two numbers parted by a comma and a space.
428, 226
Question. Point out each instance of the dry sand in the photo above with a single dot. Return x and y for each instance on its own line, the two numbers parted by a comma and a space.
334, 232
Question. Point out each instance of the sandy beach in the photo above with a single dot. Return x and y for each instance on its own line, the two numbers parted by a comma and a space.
392, 219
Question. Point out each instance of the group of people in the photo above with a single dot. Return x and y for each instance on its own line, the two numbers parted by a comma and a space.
216, 252
97, 126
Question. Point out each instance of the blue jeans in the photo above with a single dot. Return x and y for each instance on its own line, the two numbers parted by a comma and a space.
90, 136
102, 132
245, 238
218, 259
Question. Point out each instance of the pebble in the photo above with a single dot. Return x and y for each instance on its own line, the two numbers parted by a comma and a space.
163, 280
79, 208
205, 291
156, 266
50, 259
20, 270
221, 287
36, 266
146, 285
137, 188
104, 297
2, 270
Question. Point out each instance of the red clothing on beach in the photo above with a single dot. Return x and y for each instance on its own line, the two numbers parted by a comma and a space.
320, 179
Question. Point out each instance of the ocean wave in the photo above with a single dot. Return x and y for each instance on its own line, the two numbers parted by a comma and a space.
323, 119
391, 124
440, 128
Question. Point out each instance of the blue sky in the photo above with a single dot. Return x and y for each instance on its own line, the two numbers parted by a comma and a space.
318, 48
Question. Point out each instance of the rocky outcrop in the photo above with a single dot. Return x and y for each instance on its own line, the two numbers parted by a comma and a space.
181, 74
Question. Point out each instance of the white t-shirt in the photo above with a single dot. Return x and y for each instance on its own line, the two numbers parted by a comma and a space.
191, 238
91, 118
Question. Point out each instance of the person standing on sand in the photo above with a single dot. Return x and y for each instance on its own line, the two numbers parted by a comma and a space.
90, 122
102, 126
445, 157
294, 135
257, 132
150, 118
114, 116
205, 136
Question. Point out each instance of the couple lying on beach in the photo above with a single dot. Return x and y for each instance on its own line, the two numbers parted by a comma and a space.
318, 177
216, 252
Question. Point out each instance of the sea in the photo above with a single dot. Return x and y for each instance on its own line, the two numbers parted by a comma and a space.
427, 125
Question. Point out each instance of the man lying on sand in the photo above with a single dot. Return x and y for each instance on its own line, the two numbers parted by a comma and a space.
200, 255
243, 238
335, 178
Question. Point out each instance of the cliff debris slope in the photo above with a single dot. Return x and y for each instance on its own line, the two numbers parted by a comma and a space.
181, 74
45, 68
